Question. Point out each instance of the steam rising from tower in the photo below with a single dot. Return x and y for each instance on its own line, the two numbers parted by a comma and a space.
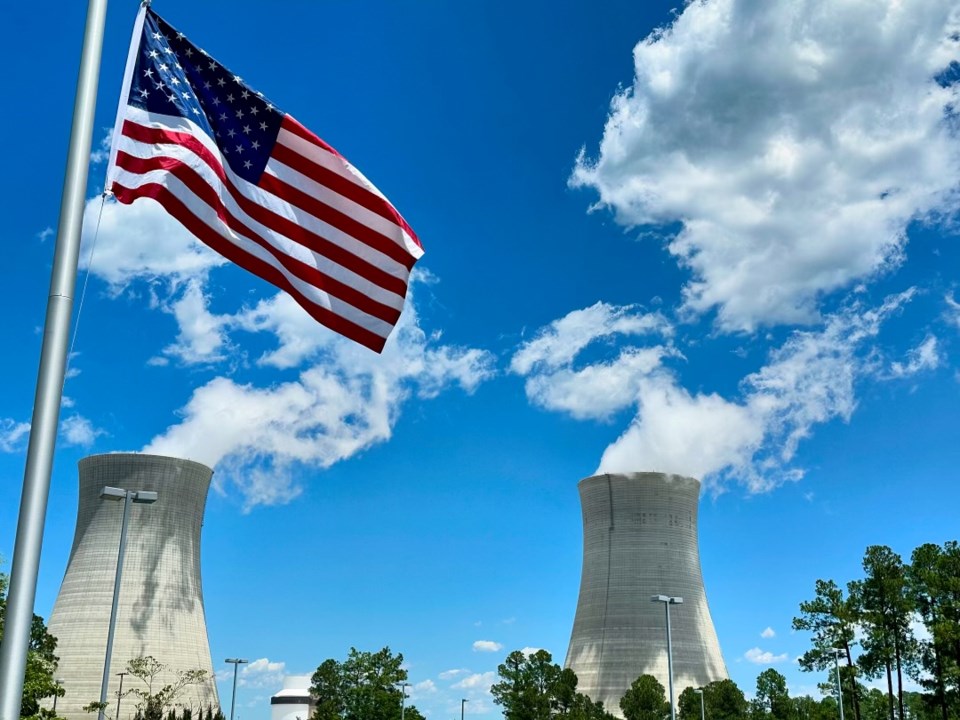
639, 540
161, 600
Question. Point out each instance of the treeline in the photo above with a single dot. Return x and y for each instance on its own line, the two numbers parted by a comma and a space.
187, 713
534, 688
899, 621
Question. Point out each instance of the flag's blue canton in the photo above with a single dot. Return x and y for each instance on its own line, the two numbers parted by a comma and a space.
175, 77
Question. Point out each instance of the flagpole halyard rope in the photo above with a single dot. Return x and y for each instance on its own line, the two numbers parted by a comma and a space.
83, 288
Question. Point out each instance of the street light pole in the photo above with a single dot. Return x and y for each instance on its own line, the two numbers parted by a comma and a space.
58, 683
119, 694
403, 697
128, 496
237, 662
463, 701
703, 712
836, 663
667, 602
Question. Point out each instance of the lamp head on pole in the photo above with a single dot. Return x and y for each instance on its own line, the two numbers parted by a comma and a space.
145, 497
666, 599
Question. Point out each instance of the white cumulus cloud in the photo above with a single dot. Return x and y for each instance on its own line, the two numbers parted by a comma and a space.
141, 241
487, 646
201, 337
559, 343
763, 657
422, 688
749, 437
768, 633
262, 673
481, 681
807, 381
793, 143
343, 401
593, 390
78, 430
263, 435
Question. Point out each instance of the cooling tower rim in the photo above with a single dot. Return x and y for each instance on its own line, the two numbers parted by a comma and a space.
142, 458
643, 475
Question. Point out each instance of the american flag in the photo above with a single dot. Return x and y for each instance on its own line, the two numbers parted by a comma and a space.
257, 186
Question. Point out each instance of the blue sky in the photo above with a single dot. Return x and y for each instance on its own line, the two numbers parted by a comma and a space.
717, 240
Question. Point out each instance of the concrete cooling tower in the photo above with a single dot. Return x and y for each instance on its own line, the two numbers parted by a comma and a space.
160, 611
640, 540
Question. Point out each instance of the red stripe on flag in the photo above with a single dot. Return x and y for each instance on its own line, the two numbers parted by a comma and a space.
277, 223
201, 230
285, 192
159, 136
199, 187
377, 204
340, 220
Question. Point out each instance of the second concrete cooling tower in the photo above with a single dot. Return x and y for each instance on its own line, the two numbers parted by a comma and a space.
639, 540
160, 611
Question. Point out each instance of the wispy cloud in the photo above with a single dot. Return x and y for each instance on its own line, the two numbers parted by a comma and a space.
925, 356
13, 435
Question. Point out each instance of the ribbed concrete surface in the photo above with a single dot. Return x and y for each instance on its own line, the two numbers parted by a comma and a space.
161, 599
640, 539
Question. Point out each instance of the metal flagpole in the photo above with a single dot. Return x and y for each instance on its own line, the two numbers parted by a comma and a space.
53, 355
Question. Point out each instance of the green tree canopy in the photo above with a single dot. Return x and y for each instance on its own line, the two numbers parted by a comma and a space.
38, 681
688, 704
365, 686
885, 613
832, 621
724, 700
933, 585
772, 699
533, 687
645, 700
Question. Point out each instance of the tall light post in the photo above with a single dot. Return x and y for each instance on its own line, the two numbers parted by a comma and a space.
120, 693
237, 662
836, 664
667, 602
58, 683
403, 696
463, 701
703, 712
145, 497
